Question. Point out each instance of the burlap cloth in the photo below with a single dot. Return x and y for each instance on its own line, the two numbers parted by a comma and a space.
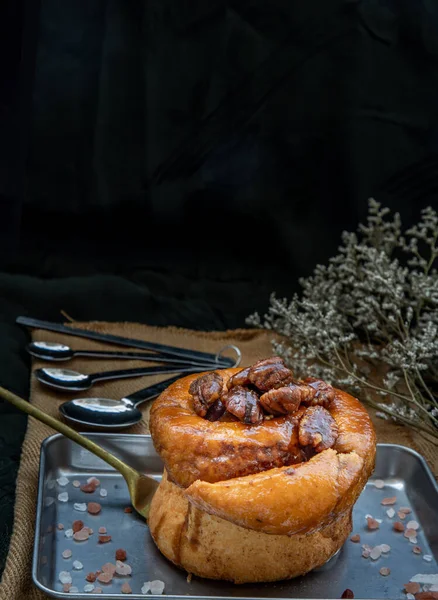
16, 582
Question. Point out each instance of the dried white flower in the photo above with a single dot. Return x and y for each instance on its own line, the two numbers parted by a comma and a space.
372, 309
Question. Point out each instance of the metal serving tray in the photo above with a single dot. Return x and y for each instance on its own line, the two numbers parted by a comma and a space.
405, 473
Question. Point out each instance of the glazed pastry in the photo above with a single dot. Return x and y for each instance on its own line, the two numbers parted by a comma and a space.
261, 472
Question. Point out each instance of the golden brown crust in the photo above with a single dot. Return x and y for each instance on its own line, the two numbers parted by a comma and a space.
265, 494
211, 547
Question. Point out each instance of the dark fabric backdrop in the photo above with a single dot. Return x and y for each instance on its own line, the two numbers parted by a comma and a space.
173, 161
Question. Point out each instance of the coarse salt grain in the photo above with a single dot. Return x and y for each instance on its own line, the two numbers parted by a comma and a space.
94, 481
410, 597
387, 501
390, 512
104, 577
157, 587
416, 550
385, 548
80, 506
81, 536
67, 553
367, 547
123, 569
65, 577
385, 571
68, 533
74, 589
94, 508
413, 540
412, 588
126, 588
427, 557
63, 497
375, 553
413, 525
146, 587
425, 578
372, 523
398, 526
102, 530
401, 515
409, 533
379, 484
355, 538
76, 483
366, 553
88, 587
77, 565
98, 590
379, 520
60, 526
66, 587
77, 525
103, 492
63, 481
109, 568
405, 509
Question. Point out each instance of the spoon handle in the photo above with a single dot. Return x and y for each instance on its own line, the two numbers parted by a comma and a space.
126, 373
150, 392
123, 341
148, 357
70, 433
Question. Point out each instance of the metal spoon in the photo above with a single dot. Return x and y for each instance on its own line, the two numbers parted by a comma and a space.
73, 381
141, 487
105, 413
55, 352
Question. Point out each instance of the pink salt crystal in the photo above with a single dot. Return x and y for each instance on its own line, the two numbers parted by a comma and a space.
366, 553
94, 481
123, 569
67, 553
387, 501
105, 577
76, 483
384, 571
98, 590
355, 538
81, 536
413, 525
126, 588
109, 568
372, 523
416, 550
401, 515
405, 509
66, 587
410, 533
102, 530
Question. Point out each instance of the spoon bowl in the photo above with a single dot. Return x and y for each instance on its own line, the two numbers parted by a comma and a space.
102, 413
105, 413
64, 379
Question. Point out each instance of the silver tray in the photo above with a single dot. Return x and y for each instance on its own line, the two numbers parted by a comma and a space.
405, 473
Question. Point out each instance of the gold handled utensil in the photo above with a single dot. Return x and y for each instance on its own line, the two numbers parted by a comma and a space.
141, 487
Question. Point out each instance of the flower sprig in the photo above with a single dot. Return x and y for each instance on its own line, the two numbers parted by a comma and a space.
368, 319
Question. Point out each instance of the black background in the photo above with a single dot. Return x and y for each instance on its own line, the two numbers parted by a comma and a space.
174, 161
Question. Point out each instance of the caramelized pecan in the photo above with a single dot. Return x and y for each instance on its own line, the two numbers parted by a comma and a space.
243, 404
270, 373
285, 400
240, 378
205, 390
215, 411
317, 429
324, 393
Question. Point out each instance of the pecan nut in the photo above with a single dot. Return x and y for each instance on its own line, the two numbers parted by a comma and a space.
285, 400
243, 404
318, 429
324, 393
240, 378
215, 411
205, 391
270, 373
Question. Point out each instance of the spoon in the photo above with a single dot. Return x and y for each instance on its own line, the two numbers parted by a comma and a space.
73, 381
105, 413
141, 487
55, 352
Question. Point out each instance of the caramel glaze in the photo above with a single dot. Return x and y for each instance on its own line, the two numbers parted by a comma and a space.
266, 493
193, 448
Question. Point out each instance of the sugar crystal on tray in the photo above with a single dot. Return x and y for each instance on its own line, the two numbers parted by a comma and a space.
379, 483
88, 587
65, 577
80, 506
375, 553
412, 525
68, 533
76, 483
77, 565
62, 481
73, 589
63, 497
390, 512
427, 557
103, 492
